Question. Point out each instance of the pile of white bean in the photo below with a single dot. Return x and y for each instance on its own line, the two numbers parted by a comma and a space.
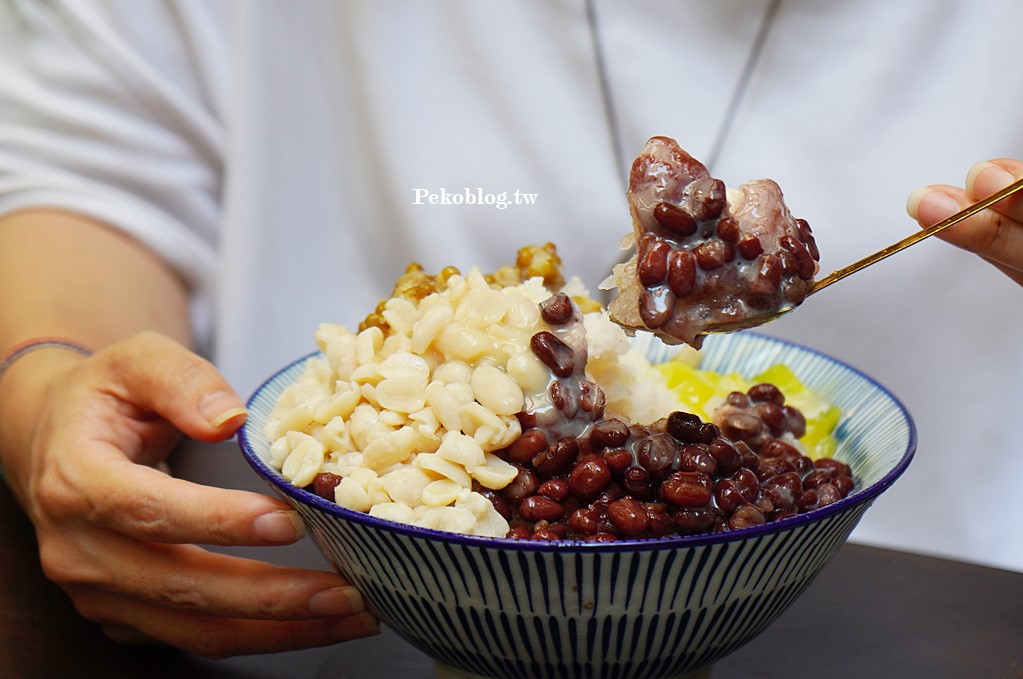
409, 418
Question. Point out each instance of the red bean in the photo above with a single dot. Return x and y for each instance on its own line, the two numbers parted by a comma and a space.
844, 484
738, 399
768, 277
555, 527
324, 484
592, 398
750, 460
740, 426
695, 458
674, 219
790, 481
779, 496
726, 454
805, 264
727, 495
526, 447
747, 483
779, 448
655, 306
795, 422
750, 247
656, 454
583, 521
806, 235
636, 482
556, 457
554, 353
685, 427
827, 494
837, 467
728, 230
713, 254
557, 309
609, 433
554, 489
808, 500
602, 537
818, 477
681, 272
745, 516
652, 264
688, 489
523, 485
773, 466
610, 494
590, 476
767, 393
564, 399
618, 460
520, 532
538, 507
706, 198
692, 521
659, 521
628, 515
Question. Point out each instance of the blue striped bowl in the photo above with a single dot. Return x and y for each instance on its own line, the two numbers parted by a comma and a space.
627, 610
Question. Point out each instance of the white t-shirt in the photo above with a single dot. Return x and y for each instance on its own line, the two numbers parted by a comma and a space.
273, 152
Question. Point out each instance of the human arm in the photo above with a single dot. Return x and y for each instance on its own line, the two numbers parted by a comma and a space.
80, 440
995, 234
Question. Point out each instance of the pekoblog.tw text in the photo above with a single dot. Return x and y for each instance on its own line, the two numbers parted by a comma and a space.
476, 196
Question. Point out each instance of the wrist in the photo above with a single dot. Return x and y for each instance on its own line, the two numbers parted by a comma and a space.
25, 385
38, 344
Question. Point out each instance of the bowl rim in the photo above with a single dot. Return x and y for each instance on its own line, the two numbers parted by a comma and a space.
864, 495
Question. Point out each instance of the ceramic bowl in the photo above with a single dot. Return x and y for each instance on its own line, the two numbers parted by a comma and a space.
635, 609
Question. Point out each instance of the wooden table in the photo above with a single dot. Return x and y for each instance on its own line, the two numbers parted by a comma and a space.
871, 613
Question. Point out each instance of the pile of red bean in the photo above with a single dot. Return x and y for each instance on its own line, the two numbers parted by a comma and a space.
586, 477
698, 264
678, 476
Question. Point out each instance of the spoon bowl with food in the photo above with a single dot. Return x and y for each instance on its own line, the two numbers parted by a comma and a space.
713, 260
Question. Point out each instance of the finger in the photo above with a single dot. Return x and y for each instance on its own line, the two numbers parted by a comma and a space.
989, 233
188, 578
987, 178
217, 636
156, 373
106, 489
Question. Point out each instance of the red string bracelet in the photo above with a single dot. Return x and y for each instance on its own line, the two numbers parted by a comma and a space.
28, 346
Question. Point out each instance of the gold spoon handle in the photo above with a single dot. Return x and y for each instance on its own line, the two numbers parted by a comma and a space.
839, 274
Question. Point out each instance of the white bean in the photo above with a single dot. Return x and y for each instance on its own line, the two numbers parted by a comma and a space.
390, 448
429, 326
304, 462
496, 391
461, 449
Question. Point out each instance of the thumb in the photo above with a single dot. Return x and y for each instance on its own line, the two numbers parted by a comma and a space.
157, 374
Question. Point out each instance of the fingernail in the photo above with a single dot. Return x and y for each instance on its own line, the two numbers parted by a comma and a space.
354, 627
929, 206
280, 526
336, 601
219, 407
984, 179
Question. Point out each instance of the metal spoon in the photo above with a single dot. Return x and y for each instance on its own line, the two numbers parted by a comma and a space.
753, 321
